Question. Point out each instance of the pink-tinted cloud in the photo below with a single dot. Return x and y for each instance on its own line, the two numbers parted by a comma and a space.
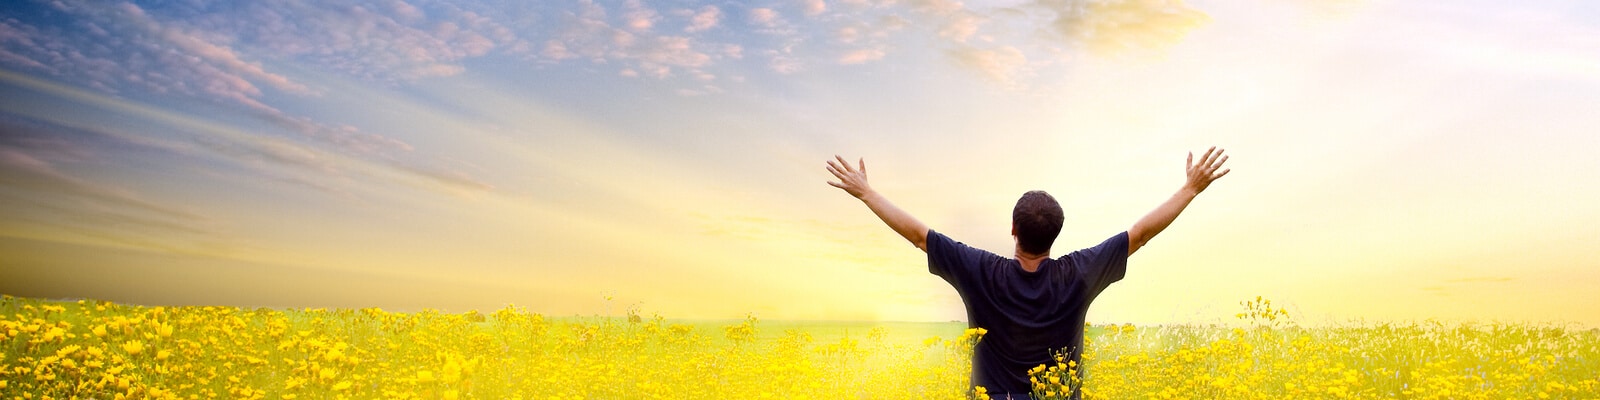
813, 7
638, 17
121, 47
733, 51
586, 33
385, 42
860, 56
192, 52
765, 17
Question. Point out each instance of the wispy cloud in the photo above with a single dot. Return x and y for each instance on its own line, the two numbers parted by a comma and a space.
859, 56
121, 48
273, 157
1109, 27
225, 52
387, 41
1003, 65
21, 170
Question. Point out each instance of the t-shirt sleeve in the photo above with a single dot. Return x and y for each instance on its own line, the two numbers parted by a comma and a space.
1103, 264
954, 261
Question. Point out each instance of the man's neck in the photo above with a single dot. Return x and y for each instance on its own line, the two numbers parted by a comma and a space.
1030, 262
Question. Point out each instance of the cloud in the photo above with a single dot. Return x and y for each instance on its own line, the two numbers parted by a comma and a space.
116, 48
1114, 26
586, 34
225, 51
783, 64
380, 40
848, 34
733, 51
449, 177
706, 18
937, 6
272, 157
639, 18
1001, 65
891, 23
671, 50
860, 56
557, 50
961, 26
766, 17
122, 48
813, 7
22, 170
44, 189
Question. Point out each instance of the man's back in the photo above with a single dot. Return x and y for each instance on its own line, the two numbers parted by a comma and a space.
1030, 316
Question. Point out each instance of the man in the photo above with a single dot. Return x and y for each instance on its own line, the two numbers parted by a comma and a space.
1032, 305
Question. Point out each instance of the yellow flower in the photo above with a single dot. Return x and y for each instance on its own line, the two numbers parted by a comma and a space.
133, 347
424, 376
67, 351
342, 385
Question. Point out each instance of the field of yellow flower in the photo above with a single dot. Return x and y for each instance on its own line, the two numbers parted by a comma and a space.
102, 350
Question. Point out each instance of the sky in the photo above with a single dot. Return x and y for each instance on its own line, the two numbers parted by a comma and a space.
1392, 161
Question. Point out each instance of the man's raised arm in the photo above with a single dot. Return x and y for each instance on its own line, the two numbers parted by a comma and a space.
1200, 176
854, 181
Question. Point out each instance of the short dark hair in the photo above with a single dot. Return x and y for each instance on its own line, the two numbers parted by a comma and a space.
1037, 219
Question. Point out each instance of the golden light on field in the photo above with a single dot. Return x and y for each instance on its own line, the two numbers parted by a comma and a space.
107, 350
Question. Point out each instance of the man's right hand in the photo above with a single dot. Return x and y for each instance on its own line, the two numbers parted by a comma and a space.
852, 179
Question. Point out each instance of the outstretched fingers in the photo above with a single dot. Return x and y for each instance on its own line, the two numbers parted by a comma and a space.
844, 165
851, 178
1217, 164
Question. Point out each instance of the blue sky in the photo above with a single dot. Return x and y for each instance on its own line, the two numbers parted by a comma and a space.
1393, 160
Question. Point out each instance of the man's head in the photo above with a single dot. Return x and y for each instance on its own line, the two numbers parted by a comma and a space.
1036, 221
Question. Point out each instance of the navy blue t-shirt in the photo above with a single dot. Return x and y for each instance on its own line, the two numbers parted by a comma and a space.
1029, 315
